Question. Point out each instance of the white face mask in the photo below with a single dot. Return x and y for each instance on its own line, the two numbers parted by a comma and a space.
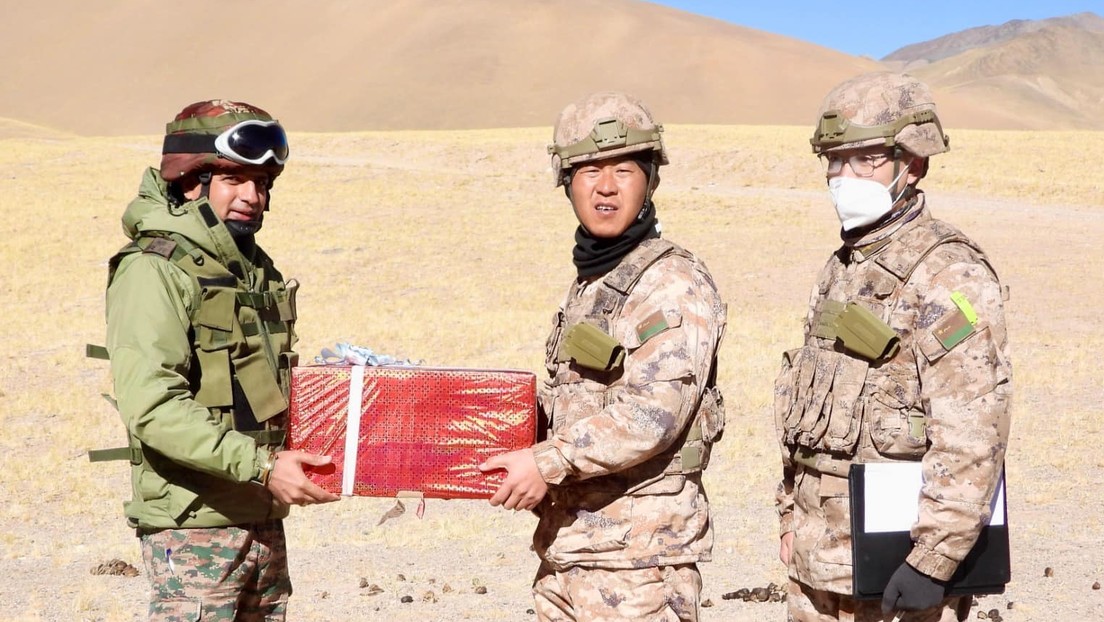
860, 201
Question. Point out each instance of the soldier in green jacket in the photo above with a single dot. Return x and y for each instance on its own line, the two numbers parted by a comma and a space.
200, 330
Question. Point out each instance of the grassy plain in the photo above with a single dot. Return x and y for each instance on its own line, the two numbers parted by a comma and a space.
453, 247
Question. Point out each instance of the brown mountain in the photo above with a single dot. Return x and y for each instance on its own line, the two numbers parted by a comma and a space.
982, 36
127, 66
1045, 74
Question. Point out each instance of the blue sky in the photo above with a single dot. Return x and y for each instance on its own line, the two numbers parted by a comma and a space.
877, 28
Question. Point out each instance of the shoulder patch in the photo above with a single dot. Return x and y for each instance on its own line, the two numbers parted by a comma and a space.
161, 246
651, 326
958, 324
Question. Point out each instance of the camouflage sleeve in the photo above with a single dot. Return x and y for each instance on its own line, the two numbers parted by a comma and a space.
668, 327
148, 306
965, 377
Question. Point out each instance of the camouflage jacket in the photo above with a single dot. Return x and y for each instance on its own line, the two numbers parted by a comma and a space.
622, 492
941, 399
192, 337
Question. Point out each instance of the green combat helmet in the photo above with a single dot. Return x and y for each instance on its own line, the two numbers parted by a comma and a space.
603, 125
880, 108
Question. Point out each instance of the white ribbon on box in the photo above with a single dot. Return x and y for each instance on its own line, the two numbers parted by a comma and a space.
352, 428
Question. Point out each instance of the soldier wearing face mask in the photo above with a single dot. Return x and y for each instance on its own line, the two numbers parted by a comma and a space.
905, 358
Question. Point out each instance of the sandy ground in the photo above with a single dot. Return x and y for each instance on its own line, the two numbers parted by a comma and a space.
338, 552
729, 199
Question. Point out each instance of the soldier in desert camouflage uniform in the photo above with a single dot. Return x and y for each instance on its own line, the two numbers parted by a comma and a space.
934, 385
200, 329
631, 396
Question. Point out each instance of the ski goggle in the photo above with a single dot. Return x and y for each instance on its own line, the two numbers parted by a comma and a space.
253, 142
249, 142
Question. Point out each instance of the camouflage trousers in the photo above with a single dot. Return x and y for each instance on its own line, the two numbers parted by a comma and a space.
655, 594
235, 573
809, 605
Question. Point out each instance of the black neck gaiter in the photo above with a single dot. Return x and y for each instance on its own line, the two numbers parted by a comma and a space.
594, 256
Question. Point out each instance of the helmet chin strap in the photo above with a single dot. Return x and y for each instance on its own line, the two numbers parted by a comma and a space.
237, 228
242, 228
908, 190
205, 185
647, 207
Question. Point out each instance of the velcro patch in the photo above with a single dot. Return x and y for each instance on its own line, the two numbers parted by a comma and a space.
161, 246
651, 326
953, 329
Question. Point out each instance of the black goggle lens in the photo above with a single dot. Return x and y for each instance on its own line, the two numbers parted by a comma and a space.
253, 141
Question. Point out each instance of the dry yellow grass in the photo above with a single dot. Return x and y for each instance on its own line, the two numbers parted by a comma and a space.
453, 247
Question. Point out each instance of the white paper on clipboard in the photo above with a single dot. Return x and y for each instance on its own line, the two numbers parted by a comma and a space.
892, 492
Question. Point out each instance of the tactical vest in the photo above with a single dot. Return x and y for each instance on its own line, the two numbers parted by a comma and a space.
241, 340
842, 381
575, 397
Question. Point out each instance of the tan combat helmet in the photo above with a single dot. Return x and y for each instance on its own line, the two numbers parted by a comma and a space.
880, 108
603, 125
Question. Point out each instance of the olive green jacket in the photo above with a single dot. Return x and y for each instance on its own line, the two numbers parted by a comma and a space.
180, 324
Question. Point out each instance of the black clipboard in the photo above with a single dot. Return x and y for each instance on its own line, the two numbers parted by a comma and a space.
876, 555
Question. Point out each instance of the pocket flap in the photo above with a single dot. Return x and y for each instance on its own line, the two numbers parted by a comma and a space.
216, 308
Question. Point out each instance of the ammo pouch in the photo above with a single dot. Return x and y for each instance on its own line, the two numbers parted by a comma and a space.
706, 429
817, 401
589, 347
857, 329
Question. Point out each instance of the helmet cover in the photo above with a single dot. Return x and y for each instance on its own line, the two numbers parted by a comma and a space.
604, 125
880, 108
211, 117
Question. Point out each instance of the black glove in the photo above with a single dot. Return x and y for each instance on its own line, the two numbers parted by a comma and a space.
912, 590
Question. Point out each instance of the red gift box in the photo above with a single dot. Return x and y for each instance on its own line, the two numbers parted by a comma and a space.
417, 430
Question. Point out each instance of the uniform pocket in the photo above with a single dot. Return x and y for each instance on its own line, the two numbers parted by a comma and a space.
712, 415
593, 522
896, 429
834, 544
573, 397
184, 609
896, 433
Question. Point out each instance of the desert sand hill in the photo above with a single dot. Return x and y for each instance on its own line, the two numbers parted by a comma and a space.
127, 66
1047, 74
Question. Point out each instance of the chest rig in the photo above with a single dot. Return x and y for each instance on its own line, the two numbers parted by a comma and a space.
241, 333
856, 371
578, 392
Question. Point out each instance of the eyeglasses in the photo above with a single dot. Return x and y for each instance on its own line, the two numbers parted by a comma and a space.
862, 164
253, 142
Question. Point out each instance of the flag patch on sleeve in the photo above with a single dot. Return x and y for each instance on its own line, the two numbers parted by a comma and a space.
651, 326
958, 324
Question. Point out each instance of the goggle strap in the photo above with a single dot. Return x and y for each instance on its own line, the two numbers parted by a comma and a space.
189, 143
195, 143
